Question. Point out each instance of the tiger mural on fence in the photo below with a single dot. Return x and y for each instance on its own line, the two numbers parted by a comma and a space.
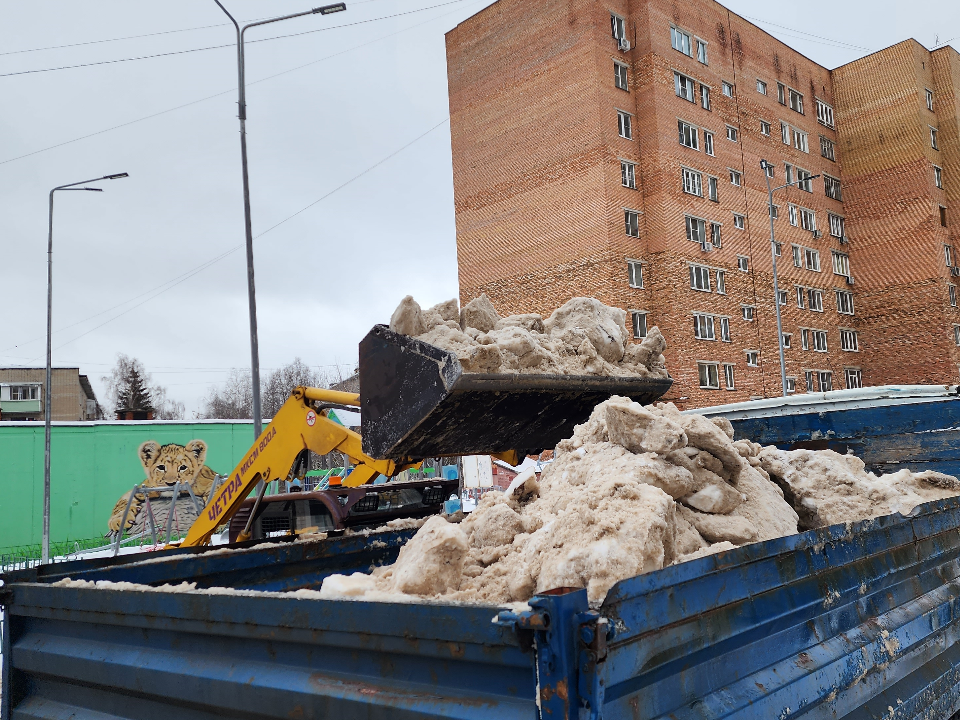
164, 466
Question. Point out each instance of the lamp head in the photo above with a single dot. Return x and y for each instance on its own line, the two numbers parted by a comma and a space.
330, 9
115, 177
764, 164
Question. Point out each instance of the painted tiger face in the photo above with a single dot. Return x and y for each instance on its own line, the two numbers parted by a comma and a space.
165, 465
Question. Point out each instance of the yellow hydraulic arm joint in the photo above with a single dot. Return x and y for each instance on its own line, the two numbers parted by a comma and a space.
300, 424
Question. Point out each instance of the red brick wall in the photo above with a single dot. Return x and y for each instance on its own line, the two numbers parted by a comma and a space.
539, 200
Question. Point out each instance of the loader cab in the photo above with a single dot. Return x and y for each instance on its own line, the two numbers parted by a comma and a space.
331, 511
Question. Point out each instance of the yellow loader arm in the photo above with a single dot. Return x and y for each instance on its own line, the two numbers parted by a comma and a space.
297, 426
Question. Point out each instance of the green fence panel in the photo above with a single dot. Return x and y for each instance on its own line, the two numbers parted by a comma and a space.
91, 466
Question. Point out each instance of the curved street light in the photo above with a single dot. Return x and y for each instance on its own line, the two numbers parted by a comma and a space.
251, 289
45, 546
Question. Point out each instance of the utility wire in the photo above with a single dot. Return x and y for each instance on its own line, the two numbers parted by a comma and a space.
227, 45
146, 35
225, 92
203, 266
809, 35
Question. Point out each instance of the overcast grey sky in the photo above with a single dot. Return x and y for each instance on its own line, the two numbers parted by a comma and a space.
136, 268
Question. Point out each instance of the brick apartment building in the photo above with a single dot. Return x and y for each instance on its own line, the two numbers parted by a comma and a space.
22, 397
613, 149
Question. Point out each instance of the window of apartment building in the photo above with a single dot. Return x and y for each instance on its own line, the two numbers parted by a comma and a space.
743, 263
683, 86
705, 96
735, 178
826, 380
774, 211
739, 221
702, 51
696, 230
727, 89
797, 257
712, 192
680, 41
787, 339
948, 255
708, 142
788, 173
703, 327
827, 149
715, 234
929, 99
781, 94
620, 78
796, 101
808, 376
768, 170
956, 334
761, 87
732, 133
728, 376
721, 282
831, 186
852, 378
777, 247
692, 182
700, 277
800, 141
819, 338
824, 114
836, 225
841, 263
618, 26
635, 273
943, 216
811, 259
631, 221
724, 329
805, 218
24, 392
709, 375
625, 124
803, 180
689, 135
953, 294
782, 296
849, 341
747, 311
801, 297
753, 358
765, 128
844, 302
628, 174
785, 133
815, 299
639, 321
933, 138
791, 385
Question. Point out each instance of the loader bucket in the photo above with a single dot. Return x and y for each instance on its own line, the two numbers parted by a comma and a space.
416, 402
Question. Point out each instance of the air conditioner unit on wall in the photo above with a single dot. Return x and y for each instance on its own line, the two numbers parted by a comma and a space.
955, 271
817, 234
844, 240
706, 246
623, 44
849, 279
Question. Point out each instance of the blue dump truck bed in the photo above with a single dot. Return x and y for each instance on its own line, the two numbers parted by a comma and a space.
850, 621
916, 427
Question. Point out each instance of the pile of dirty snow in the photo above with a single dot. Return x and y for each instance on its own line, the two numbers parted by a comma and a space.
583, 337
827, 488
635, 489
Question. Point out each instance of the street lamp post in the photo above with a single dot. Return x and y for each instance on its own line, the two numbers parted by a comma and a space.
251, 288
47, 397
773, 255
